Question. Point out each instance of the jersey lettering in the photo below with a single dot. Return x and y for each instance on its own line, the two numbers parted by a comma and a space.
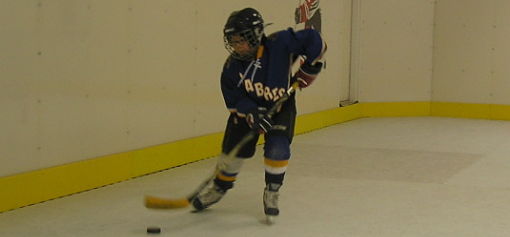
259, 89
267, 94
249, 86
275, 94
263, 91
282, 92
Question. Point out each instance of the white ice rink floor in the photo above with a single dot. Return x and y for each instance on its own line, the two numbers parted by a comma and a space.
418, 176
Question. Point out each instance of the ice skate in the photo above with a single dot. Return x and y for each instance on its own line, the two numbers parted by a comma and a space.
208, 197
271, 202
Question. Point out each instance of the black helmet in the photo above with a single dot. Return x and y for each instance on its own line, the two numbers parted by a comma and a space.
247, 23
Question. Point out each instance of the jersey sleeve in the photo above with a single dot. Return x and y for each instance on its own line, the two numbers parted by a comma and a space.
308, 42
234, 96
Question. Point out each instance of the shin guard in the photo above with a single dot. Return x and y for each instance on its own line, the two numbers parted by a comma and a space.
228, 168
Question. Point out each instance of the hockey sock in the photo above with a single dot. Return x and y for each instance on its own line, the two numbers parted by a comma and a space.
228, 170
274, 178
275, 170
224, 184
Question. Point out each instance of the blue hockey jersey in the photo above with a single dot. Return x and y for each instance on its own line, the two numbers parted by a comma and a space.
247, 85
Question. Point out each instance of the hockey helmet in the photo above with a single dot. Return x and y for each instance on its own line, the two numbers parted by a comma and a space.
248, 24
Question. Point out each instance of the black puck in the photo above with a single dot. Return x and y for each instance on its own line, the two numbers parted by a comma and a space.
153, 230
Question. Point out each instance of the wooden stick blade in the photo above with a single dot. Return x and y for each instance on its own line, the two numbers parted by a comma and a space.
164, 203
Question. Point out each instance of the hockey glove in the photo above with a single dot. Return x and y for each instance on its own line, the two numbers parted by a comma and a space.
258, 121
307, 74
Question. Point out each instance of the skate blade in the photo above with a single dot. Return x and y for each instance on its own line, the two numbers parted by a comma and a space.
164, 203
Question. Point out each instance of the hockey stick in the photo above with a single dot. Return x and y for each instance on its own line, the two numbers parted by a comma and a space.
165, 203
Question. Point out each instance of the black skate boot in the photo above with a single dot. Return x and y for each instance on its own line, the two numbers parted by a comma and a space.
271, 202
208, 197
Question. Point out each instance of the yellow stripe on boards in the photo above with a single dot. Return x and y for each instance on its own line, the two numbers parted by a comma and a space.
395, 109
309, 122
49, 183
499, 112
476, 111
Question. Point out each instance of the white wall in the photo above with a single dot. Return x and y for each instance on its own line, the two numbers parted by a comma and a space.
472, 52
86, 78
432, 50
81, 79
392, 51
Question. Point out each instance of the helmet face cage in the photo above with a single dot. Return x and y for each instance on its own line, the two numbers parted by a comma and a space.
252, 37
247, 24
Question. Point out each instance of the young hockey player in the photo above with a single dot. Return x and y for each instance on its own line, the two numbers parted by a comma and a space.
255, 75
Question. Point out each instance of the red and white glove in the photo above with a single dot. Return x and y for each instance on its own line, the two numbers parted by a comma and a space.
307, 74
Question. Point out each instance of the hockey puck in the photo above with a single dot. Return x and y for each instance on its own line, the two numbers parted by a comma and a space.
153, 230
